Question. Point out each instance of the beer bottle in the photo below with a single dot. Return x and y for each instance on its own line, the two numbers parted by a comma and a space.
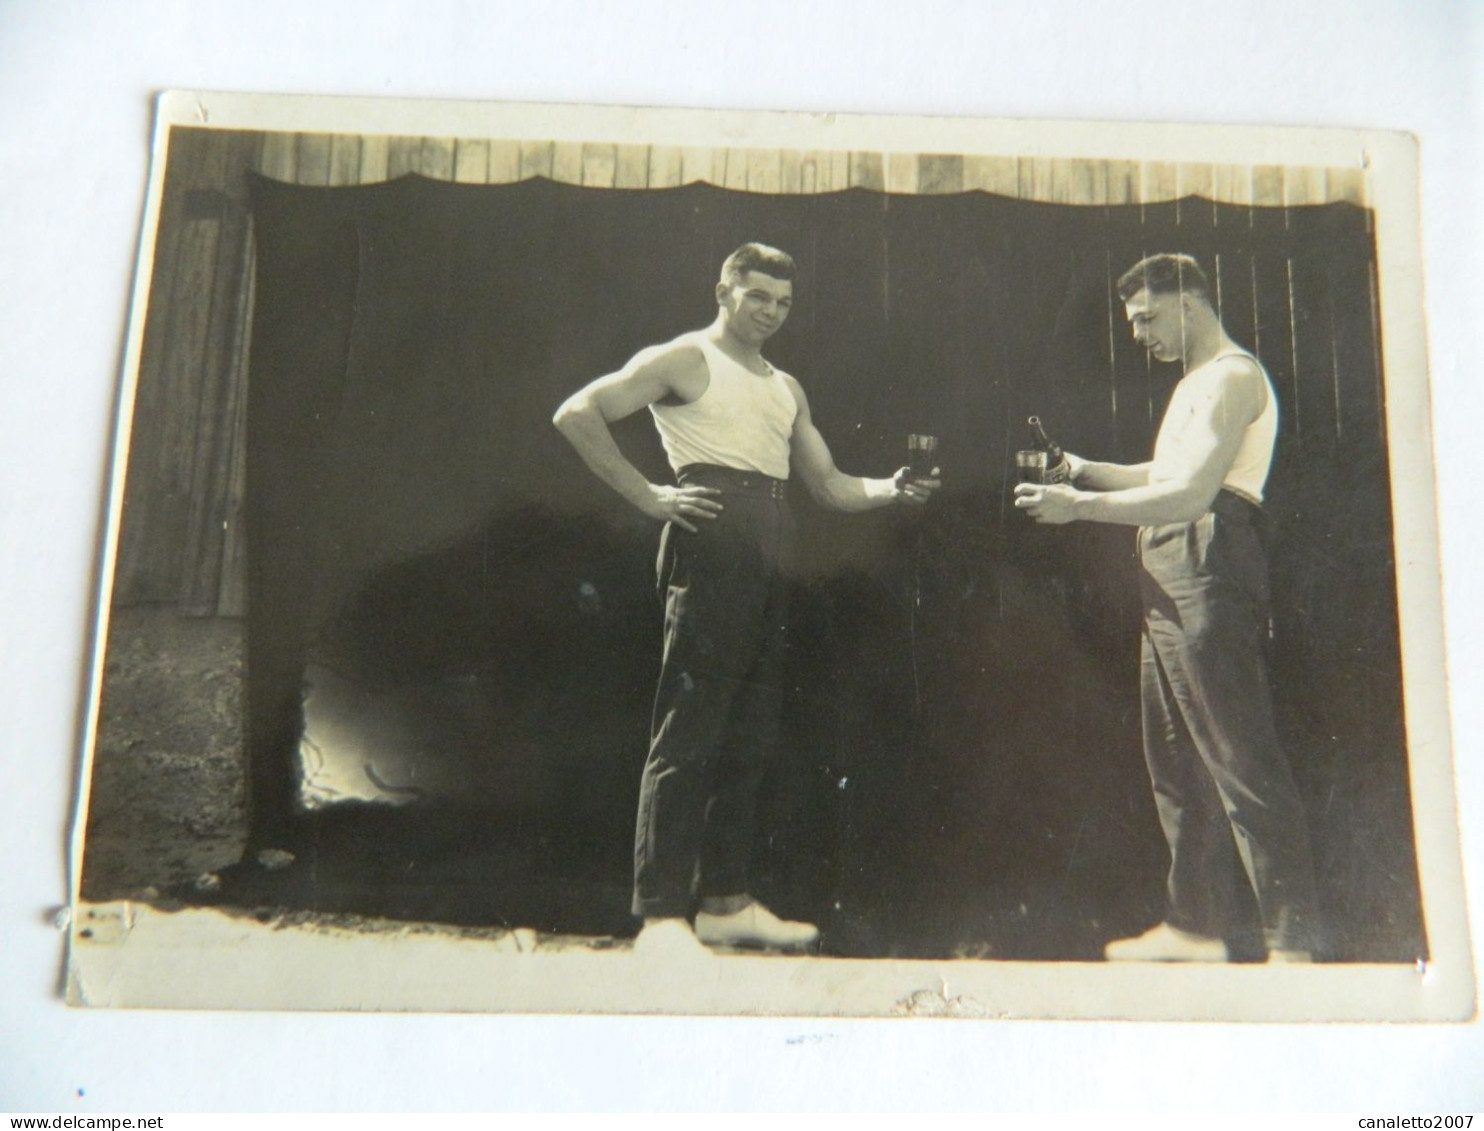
1058, 469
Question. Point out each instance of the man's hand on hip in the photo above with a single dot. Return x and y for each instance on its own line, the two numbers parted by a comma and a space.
681, 504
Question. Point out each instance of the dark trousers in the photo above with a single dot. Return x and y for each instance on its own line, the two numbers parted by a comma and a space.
720, 693
1222, 784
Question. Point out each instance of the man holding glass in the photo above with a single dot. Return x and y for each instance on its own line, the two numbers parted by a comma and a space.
734, 428
1222, 784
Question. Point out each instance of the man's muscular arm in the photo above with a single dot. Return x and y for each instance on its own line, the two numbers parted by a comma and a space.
1235, 399
584, 418
1092, 476
831, 487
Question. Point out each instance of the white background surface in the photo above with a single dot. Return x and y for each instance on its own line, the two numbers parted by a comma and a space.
75, 87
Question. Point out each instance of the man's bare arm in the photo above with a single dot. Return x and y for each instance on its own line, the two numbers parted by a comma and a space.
810, 458
584, 419
1215, 435
1092, 476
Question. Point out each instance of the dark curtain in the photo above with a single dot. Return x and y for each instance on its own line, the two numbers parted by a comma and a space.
961, 770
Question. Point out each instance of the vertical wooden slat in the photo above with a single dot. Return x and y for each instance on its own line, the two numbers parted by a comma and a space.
764, 170
313, 159
566, 162
632, 169
940, 173
236, 185
901, 172
232, 595
809, 173
1124, 182
599, 161
1232, 184
1036, 178
1057, 186
791, 171
1214, 272
665, 166
278, 157
1114, 310
403, 155
1295, 189
220, 379
504, 162
345, 159
1347, 185
867, 171
184, 361
999, 175
1158, 182
1267, 186
1356, 346
1236, 296
718, 171
135, 578
1305, 185
1064, 182
1316, 368
163, 483
1298, 410
1318, 182
840, 163
734, 175
535, 159
1194, 180
1068, 183
435, 158
1086, 182
817, 172
1025, 178
696, 165
375, 154
471, 161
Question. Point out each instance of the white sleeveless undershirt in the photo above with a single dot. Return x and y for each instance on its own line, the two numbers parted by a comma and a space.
742, 420
1196, 391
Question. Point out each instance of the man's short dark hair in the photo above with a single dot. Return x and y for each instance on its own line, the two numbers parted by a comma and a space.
757, 257
1165, 275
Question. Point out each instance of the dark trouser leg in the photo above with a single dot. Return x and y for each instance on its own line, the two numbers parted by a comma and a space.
712, 720
1205, 592
752, 733
1201, 889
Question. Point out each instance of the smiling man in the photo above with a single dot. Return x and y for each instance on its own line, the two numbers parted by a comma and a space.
1222, 784
733, 427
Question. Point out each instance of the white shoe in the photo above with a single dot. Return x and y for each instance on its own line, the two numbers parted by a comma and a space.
668, 939
1165, 943
1290, 957
754, 925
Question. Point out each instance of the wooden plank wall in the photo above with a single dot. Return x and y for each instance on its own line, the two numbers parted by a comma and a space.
324, 159
181, 544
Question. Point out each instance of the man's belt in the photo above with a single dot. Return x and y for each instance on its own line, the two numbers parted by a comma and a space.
1234, 504
732, 480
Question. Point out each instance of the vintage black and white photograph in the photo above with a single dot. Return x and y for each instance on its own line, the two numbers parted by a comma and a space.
595, 560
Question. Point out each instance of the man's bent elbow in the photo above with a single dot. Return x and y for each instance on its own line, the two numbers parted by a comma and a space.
568, 415
1194, 504
820, 493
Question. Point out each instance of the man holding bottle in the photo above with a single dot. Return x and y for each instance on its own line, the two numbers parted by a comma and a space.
1221, 782
734, 428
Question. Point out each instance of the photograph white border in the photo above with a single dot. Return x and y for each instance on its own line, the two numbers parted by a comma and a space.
205, 960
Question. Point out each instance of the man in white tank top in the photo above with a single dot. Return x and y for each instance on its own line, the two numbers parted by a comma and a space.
734, 428
1222, 785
